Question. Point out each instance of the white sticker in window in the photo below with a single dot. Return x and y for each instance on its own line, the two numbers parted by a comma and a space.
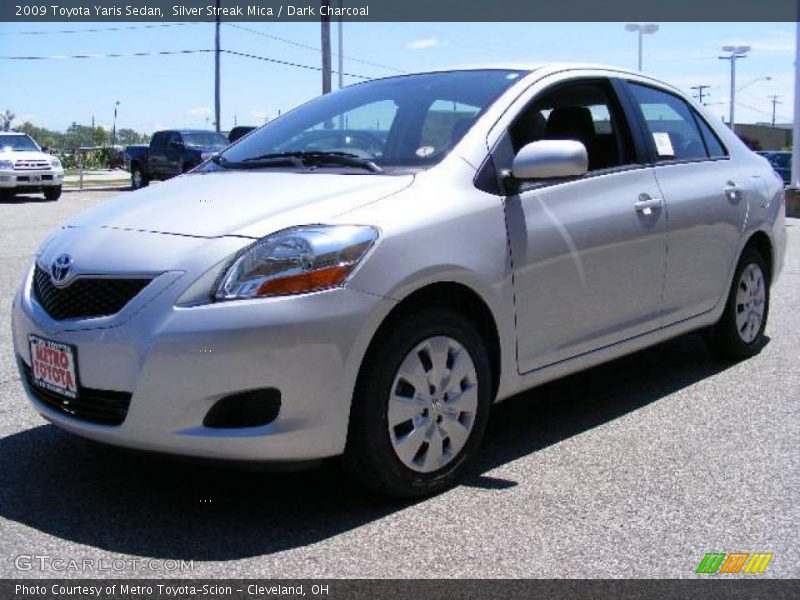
663, 143
424, 151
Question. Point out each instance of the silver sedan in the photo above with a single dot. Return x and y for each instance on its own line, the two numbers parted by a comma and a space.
364, 276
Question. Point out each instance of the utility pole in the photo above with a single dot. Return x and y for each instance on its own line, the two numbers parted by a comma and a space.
775, 102
114, 129
700, 89
216, 68
795, 180
735, 53
325, 23
341, 46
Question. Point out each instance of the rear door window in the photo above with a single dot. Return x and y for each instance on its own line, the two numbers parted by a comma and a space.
672, 128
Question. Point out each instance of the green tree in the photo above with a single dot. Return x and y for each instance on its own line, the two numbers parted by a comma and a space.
7, 118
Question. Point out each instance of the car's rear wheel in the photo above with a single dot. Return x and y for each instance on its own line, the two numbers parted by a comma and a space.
52, 192
138, 180
739, 333
421, 405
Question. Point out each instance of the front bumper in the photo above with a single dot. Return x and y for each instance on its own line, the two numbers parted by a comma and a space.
33, 179
178, 361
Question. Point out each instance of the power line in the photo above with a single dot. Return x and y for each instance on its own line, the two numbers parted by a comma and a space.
763, 112
111, 55
286, 63
169, 52
313, 48
99, 29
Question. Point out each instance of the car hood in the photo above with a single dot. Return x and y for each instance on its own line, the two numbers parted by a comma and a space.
241, 203
206, 148
24, 155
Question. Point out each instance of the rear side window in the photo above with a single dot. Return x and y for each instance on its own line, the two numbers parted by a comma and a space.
159, 139
713, 145
671, 125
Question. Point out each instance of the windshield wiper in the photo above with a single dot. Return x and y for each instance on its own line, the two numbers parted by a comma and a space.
344, 159
258, 162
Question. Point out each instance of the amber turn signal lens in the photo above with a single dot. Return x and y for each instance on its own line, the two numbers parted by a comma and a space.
305, 282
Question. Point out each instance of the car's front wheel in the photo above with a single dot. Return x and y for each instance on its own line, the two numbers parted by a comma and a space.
739, 333
138, 180
421, 405
52, 193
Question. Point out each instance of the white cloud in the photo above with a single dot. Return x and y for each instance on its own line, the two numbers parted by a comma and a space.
422, 44
199, 111
261, 116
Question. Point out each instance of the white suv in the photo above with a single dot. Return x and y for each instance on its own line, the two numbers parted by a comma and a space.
25, 168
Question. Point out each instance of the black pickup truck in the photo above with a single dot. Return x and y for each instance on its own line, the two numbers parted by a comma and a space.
171, 153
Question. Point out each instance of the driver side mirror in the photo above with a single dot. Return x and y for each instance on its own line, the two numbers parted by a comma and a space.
550, 158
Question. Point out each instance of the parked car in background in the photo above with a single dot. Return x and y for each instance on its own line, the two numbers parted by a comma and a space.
781, 161
171, 153
361, 143
25, 167
497, 229
239, 132
116, 158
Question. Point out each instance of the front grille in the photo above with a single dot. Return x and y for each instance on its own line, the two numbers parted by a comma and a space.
30, 165
86, 296
104, 407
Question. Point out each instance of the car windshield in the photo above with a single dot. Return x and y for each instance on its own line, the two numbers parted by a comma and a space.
406, 121
18, 143
205, 140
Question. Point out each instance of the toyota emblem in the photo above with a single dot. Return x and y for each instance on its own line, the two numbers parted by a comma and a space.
60, 268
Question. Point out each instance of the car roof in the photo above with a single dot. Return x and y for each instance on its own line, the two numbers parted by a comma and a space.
527, 66
13, 133
193, 131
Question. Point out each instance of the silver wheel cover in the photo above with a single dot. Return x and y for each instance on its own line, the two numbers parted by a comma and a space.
751, 297
432, 404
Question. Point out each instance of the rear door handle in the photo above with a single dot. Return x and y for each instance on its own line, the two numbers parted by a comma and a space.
732, 191
646, 204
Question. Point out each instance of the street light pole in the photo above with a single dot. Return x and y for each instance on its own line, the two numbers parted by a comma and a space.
735, 53
641, 30
325, 34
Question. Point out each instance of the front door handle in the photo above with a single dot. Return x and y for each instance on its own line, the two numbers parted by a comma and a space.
646, 204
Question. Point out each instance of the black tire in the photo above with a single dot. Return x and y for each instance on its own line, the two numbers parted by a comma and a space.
7, 195
725, 338
52, 193
138, 178
369, 456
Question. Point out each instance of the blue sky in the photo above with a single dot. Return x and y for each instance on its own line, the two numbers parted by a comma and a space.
170, 91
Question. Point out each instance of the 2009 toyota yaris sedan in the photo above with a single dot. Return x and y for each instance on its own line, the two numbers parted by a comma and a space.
367, 274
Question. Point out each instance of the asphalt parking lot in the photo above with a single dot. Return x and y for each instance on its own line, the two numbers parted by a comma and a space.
633, 469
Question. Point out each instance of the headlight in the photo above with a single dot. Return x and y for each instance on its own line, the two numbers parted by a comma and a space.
56, 163
296, 261
6, 164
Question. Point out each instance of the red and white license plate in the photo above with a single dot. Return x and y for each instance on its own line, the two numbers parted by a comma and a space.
53, 366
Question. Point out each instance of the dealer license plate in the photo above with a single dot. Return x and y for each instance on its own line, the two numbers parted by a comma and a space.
54, 366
